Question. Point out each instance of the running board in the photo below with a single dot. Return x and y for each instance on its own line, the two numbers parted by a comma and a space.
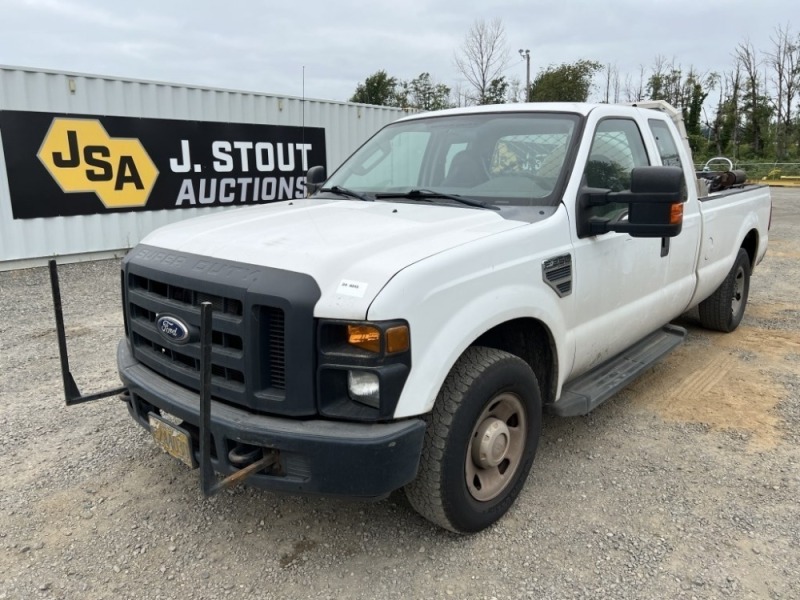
591, 389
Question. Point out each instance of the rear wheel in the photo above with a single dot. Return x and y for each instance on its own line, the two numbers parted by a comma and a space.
724, 309
480, 441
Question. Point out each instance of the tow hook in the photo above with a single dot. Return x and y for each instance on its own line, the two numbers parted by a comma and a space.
243, 455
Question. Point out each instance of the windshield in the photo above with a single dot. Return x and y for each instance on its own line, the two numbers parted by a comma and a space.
500, 159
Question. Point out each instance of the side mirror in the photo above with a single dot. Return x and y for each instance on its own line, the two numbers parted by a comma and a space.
315, 179
655, 205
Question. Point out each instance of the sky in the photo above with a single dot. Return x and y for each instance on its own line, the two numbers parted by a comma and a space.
276, 47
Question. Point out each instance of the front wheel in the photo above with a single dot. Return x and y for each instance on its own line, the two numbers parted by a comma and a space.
480, 441
724, 309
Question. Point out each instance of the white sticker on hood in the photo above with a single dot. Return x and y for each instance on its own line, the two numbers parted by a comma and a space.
348, 287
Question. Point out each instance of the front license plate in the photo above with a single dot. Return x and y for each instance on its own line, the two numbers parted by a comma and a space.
172, 440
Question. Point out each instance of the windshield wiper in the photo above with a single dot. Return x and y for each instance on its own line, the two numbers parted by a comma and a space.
345, 192
424, 194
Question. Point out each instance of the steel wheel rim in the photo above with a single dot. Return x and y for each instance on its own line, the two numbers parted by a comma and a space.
496, 447
738, 292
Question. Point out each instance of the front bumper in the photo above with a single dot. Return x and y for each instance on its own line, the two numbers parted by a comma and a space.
316, 456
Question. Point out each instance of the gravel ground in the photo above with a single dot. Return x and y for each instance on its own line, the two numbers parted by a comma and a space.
685, 485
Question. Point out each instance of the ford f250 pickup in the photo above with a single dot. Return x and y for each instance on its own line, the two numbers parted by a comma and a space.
405, 325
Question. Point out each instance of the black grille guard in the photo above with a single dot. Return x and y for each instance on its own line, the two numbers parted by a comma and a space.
72, 394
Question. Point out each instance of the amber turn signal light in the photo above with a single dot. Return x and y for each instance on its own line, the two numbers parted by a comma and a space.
397, 339
676, 214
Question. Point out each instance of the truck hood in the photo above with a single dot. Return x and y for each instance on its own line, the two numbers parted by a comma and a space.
351, 248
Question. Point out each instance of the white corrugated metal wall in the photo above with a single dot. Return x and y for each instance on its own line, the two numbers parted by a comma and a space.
346, 127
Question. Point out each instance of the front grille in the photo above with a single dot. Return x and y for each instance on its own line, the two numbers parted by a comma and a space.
263, 335
185, 296
232, 347
175, 359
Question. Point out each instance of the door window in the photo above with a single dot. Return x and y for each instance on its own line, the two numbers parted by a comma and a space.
617, 147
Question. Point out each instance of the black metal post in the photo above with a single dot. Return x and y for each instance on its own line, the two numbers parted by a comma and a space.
72, 394
206, 469
208, 482
70, 388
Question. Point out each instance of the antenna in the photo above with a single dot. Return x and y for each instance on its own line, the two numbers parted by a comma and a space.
303, 114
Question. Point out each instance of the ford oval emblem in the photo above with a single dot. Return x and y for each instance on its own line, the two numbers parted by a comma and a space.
173, 329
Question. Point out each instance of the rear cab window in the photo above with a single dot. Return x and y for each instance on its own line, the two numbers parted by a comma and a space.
665, 143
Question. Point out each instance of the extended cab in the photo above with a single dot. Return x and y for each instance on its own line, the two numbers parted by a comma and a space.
406, 324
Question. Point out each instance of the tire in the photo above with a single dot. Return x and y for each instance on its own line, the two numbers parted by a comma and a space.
480, 441
724, 309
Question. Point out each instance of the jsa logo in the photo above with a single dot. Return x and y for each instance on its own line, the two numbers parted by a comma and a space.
82, 157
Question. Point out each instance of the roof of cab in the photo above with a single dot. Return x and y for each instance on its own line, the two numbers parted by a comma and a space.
581, 108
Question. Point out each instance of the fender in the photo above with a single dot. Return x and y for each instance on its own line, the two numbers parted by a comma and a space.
488, 284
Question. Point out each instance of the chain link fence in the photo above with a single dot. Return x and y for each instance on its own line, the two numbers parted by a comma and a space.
761, 171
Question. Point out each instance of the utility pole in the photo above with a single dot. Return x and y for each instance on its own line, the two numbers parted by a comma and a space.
526, 54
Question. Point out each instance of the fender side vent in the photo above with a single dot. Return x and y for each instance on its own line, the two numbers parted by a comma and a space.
557, 273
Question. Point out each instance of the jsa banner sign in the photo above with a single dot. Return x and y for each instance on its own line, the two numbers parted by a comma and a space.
63, 165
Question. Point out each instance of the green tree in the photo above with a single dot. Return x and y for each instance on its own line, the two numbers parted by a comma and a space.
725, 127
569, 82
756, 109
378, 89
784, 62
692, 106
757, 114
685, 91
496, 93
424, 94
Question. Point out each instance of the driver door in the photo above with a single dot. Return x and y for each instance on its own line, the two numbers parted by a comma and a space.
618, 278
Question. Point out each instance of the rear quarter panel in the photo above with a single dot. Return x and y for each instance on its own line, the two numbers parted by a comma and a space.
727, 219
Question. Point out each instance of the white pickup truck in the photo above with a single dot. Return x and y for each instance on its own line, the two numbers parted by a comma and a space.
407, 324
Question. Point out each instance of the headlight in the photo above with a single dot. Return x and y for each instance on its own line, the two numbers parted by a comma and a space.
365, 337
362, 368
378, 338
